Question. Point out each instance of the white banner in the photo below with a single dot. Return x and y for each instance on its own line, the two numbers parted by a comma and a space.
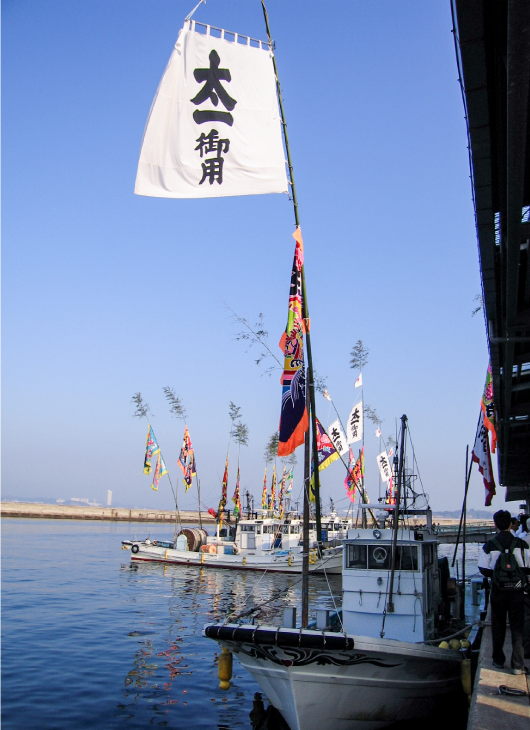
337, 437
355, 423
385, 468
214, 125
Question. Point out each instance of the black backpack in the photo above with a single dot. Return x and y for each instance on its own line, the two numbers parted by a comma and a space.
508, 576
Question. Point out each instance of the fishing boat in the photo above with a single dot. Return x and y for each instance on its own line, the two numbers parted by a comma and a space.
258, 541
383, 657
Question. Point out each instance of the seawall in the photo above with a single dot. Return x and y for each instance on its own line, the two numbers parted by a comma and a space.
114, 514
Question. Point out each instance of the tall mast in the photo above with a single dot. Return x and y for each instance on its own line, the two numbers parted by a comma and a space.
305, 313
390, 603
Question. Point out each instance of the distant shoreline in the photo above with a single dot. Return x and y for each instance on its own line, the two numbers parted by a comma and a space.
110, 514
123, 514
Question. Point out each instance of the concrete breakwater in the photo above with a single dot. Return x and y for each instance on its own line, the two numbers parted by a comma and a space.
115, 514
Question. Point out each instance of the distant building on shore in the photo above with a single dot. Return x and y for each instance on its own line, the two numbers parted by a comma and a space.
109, 497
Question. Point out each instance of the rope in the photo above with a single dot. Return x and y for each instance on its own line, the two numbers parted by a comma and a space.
452, 636
188, 17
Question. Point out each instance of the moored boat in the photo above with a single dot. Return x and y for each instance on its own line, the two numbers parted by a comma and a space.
256, 542
383, 657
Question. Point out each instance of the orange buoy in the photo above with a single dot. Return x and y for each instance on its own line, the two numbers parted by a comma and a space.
212, 549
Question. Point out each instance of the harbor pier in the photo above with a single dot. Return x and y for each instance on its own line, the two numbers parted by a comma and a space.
112, 514
490, 709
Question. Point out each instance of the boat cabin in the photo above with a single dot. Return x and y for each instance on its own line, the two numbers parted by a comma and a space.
366, 581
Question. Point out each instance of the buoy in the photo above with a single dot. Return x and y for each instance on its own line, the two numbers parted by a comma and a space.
313, 557
212, 549
290, 560
465, 676
454, 644
465, 644
165, 556
202, 558
443, 645
224, 669
244, 561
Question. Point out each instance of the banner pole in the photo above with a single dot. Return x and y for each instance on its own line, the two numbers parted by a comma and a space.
305, 308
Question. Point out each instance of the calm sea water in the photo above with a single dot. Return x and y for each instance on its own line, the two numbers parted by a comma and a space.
89, 640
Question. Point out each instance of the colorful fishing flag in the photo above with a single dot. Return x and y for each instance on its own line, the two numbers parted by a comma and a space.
390, 492
264, 493
222, 501
488, 409
185, 451
191, 470
359, 381
282, 491
273, 488
482, 456
354, 428
214, 128
294, 420
160, 470
151, 448
187, 459
289, 481
355, 475
349, 481
236, 498
327, 454
337, 437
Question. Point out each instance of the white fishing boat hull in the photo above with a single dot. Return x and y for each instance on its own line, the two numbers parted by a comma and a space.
373, 684
331, 561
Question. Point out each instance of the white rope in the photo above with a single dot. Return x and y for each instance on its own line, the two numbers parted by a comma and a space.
188, 17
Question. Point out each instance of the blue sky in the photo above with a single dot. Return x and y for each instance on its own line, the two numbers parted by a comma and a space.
106, 293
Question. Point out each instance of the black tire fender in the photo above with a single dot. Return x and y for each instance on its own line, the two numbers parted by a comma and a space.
135, 549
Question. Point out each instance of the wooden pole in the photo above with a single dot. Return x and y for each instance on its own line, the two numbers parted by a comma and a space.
390, 603
305, 308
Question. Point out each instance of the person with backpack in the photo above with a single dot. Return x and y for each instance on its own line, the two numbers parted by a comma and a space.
505, 559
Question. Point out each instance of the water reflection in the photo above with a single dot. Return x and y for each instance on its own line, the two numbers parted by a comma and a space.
173, 669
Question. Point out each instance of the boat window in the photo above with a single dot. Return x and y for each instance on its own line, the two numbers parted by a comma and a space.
295, 529
379, 556
285, 529
269, 528
247, 528
407, 557
258, 529
356, 556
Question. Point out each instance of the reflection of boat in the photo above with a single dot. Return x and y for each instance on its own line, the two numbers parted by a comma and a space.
257, 542
380, 663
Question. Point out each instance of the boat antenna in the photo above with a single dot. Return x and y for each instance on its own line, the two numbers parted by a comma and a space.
390, 602
310, 385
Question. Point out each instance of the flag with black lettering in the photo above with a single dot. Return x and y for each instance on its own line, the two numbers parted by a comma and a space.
214, 128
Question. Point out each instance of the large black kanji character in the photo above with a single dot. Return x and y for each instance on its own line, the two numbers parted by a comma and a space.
211, 143
213, 170
214, 91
